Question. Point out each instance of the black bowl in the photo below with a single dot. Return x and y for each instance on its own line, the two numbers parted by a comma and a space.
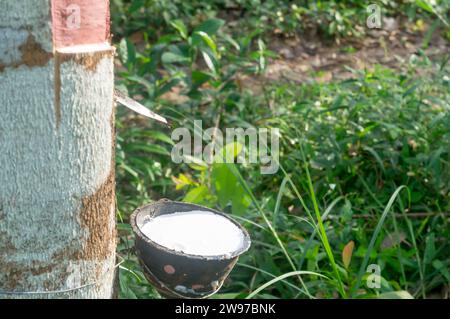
176, 274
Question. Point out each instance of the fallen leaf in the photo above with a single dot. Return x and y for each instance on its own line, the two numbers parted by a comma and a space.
347, 253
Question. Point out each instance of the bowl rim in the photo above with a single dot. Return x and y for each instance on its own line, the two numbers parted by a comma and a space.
145, 209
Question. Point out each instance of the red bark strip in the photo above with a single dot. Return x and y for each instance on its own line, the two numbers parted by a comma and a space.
78, 22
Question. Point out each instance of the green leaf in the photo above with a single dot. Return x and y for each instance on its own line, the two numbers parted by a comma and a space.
228, 153
240, 202
131, 53
430, 249
209, 62
124, 227
439, 265
196, 195
262, 59
207, 40
167, 87
160, 137
128, 169
123, 51
402, 294
170, 57
229, 190
180, 27
148, 85
182, 181
198, 78
195, 163
136, 5
149, 148
210, 26
224, 183
425, 5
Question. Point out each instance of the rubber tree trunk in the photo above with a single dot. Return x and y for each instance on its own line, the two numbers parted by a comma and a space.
57, 201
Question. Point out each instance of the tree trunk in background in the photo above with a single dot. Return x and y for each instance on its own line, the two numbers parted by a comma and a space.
57, 201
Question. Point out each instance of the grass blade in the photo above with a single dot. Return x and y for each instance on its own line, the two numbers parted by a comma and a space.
387, 209
282, 277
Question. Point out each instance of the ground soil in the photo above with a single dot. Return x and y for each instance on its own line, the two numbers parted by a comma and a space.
304, 59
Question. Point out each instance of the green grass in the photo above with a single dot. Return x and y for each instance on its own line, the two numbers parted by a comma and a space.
364, 160
330, 18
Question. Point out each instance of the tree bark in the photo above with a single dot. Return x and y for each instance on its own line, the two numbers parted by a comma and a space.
57, 201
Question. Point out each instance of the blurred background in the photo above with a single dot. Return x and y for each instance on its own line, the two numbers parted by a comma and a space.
364, 121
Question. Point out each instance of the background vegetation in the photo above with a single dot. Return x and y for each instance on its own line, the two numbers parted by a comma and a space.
365, 160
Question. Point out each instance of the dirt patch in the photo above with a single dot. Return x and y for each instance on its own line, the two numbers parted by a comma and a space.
11, 273
96, 217
32, 55
308, 58
89, 60
97, 212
